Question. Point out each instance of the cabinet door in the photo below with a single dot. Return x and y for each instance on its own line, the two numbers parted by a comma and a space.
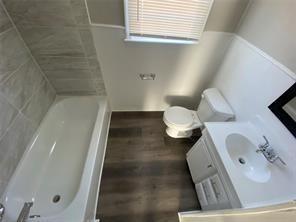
199, 162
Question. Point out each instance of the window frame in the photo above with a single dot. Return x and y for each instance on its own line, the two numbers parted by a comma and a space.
145, 39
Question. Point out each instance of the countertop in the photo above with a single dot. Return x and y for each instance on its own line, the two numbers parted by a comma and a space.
281, 183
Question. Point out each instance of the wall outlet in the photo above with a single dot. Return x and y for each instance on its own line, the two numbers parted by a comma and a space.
147, 76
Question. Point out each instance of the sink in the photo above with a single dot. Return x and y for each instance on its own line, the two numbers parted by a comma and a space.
243, 154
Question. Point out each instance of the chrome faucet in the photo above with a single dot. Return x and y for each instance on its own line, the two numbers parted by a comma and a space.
2, 211
269, 152
25, 212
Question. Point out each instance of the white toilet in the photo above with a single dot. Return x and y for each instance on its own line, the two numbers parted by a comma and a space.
212, 108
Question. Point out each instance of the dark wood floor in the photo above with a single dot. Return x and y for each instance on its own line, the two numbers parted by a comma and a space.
145, 176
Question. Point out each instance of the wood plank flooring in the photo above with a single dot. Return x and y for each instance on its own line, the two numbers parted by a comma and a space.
145, 175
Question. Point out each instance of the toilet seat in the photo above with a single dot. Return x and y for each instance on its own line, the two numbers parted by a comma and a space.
180, 117
212, 108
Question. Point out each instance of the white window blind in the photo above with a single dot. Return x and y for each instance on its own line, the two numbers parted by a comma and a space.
167, 19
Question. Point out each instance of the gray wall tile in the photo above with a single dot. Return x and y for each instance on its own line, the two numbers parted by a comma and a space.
95, 68
13, 145
38, 105
64, 71
41, 13
87, 41
4, 20
94, 64
12, 53
3, 185
68, 74
58, 35
48, 12
65, 67
78, 93
65, 86
79, 12
100, 86
73, 74
49, 41
21, 85
62, 63
7, 114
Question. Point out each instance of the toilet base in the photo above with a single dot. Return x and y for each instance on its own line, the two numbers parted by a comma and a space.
178, 134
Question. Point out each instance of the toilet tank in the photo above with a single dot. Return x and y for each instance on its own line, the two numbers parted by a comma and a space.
213, 107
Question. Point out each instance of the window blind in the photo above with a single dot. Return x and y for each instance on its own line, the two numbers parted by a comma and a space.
172, 19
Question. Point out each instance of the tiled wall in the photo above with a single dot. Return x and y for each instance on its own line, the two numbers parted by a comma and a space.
25, 96
59, 37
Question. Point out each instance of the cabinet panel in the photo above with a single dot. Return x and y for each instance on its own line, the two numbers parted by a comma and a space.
201, 195
219, 189
199, 162
209, 192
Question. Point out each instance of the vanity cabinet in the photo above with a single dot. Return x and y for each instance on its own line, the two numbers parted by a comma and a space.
199, 161
209, 188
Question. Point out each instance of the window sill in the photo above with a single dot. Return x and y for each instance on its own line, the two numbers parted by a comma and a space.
158, 40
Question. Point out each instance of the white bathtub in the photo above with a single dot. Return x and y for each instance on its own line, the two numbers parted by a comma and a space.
64, 158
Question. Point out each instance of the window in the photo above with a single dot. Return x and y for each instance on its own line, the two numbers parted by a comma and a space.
175, 21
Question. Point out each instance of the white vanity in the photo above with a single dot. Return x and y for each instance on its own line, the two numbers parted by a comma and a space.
229, 173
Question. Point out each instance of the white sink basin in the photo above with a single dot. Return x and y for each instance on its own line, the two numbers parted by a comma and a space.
243, 154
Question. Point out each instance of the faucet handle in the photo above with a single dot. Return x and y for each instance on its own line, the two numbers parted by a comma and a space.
281, 160
264, 145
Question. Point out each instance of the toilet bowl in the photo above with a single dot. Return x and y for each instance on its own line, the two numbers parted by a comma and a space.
212, 108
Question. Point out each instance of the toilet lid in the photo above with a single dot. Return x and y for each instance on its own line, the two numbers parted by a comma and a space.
179, 116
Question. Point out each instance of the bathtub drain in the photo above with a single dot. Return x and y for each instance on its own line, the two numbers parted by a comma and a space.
241, 160
56, 198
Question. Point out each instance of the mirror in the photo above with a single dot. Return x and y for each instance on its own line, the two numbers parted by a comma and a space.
285, 109
290, 108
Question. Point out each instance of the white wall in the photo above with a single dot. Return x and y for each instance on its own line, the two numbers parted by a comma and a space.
251, 80
270, 25
182, 71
